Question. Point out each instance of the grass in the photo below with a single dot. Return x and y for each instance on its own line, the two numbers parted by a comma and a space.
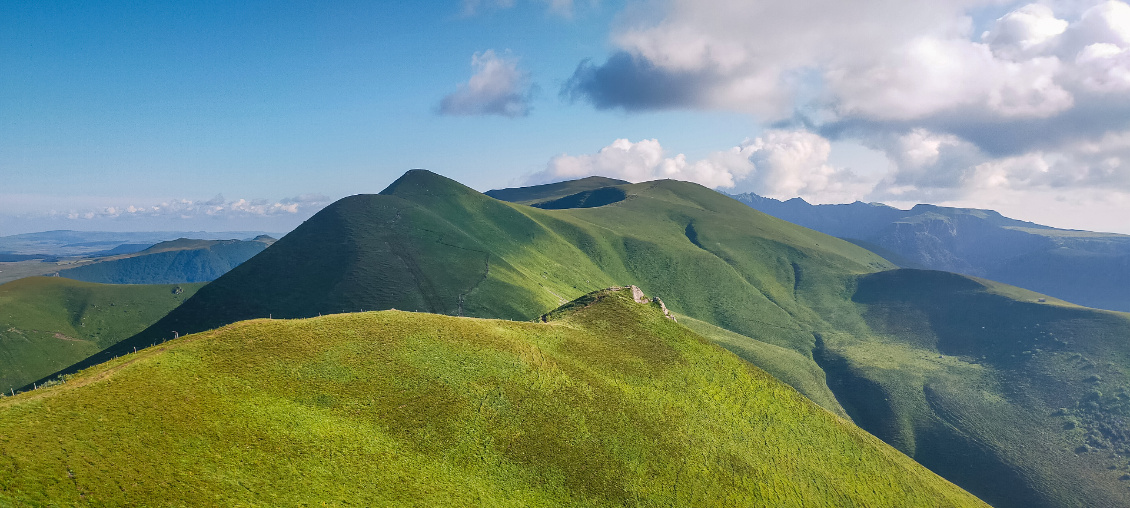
609, 404
1031, 395
47, 323
903, 353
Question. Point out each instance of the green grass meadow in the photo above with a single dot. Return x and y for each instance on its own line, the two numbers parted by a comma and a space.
610, 404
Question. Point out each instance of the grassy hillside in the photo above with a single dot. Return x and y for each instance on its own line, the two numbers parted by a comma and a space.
177, 261
428, 243
608, 404
1022, 401
787, 299
47, 323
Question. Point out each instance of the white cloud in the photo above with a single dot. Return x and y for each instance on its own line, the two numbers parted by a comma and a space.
497, 87
217, 207
876, 61
1035, 101
646, 160
1027, 30
778, 164
795, 163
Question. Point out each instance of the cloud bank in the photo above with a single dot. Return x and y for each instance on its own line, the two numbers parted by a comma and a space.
778, 164
1035, 99
217, 207
498, 87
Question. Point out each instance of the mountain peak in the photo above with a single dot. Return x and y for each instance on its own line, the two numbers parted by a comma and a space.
421, 181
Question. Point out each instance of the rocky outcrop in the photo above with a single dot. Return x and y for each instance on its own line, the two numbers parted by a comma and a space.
595, 296
639, 297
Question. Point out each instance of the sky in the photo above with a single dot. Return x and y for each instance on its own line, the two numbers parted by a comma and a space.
221, 116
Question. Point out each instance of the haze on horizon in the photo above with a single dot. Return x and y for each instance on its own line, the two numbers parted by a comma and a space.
207, 116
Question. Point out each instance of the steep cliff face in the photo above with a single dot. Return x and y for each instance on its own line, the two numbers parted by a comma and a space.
960, 243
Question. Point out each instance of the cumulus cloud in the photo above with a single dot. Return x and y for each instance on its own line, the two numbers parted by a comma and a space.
498, 87
1036, 99
795, 163
778, 164
647, 160
217, 207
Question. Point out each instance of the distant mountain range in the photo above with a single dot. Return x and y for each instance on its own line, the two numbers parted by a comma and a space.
177, 261
67, 243
1083, 267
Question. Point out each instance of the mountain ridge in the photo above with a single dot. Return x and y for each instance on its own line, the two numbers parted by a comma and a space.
977, 242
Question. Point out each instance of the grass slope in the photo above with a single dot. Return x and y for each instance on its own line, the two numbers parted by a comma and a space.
47, 323
609, 404
1022, 402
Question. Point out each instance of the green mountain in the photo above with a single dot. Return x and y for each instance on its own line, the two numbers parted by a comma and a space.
176, 261
47, 323
1083, 267
999, 418
608, 403
428, 243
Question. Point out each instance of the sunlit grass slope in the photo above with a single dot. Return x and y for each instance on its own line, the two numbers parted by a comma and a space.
608, 404
47, 323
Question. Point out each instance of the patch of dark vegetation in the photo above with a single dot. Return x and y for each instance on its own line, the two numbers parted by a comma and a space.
550, 191
585, 199
1099, 422
692, 235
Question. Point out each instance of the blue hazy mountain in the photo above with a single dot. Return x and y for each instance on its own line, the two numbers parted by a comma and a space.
1084, 267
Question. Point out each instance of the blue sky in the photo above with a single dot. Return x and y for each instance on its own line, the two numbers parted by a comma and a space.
209, 115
